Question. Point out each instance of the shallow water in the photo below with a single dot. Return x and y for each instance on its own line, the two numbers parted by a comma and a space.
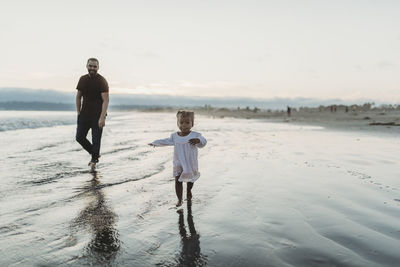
269, 195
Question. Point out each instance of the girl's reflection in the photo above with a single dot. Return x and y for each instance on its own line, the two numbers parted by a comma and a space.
190, 255
99, 219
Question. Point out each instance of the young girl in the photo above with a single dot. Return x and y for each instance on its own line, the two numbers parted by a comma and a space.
185, 144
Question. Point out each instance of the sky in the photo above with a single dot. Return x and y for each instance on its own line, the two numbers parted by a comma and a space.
344, 49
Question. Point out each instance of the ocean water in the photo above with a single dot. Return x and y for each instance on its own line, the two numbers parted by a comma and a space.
14, 120
269, 194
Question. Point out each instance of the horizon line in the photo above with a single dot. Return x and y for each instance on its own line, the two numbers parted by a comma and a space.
257, 99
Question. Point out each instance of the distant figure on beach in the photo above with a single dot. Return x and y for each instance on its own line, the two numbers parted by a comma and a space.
289, 111
93, 88
185, 162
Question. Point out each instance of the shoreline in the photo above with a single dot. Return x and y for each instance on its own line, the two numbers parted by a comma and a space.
374, 120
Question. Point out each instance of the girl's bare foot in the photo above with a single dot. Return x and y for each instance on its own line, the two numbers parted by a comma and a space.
179, 203
189, 195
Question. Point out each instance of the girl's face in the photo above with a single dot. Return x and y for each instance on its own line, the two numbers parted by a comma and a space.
185, 124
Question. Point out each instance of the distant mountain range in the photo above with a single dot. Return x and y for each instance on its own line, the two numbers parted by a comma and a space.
38, 99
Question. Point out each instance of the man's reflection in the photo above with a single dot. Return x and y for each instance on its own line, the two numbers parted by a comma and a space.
190, 255
99, 219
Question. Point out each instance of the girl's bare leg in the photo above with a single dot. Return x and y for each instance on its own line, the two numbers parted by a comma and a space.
178, 191
189, 191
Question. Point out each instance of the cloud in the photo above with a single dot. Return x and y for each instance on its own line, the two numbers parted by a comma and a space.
261, 58
359, 68
189, 88
385, 65
39, 75
149, 55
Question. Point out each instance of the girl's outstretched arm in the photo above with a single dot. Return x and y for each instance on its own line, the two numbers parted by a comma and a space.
163, 142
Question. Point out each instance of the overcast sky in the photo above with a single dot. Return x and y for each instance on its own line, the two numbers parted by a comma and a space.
321, 49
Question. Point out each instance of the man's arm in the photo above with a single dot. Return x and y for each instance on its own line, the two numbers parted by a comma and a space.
78, 101
104, 108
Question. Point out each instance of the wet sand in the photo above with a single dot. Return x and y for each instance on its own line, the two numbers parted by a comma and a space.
270, 194
376, 120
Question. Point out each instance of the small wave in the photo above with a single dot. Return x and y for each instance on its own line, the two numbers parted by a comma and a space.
55, 178
132, 180
51, 145
144, 153
31, 120
89, 188
52, 172
18, 124
126, 142
119, 150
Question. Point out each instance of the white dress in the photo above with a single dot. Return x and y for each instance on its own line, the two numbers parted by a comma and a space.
185, 155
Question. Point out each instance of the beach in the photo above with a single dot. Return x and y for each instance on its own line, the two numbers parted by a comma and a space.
377, 119
283, 191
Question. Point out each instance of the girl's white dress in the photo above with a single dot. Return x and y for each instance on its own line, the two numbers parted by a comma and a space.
185, 155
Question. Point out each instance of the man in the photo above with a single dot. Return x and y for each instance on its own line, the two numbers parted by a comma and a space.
93, 88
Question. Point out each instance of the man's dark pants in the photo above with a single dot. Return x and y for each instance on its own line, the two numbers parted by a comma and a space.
84, 124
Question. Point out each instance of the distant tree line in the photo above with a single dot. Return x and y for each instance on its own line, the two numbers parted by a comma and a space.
329, 108
353, 108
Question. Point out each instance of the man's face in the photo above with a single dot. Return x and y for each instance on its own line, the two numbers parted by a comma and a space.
92, 67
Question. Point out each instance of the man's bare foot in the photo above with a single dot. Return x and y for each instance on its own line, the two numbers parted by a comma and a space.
179, 203
92, 166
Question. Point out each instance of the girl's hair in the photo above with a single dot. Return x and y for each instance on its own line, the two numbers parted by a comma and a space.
185, 114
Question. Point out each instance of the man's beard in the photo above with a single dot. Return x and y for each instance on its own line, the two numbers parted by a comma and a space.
92, 72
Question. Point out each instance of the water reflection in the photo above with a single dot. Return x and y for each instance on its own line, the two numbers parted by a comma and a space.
190, 254
99, 219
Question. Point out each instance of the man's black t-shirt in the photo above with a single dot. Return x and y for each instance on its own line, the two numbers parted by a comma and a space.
91, 88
